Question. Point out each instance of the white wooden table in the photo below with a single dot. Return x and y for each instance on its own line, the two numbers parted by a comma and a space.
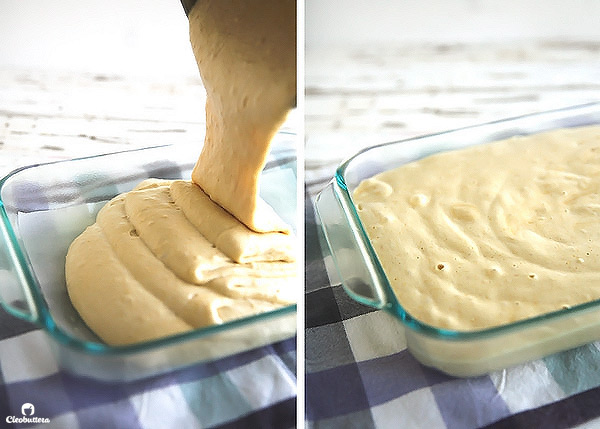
48, 116
355, 97
361, 96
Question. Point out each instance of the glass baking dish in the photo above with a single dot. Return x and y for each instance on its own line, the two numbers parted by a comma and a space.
457, 353
44, 207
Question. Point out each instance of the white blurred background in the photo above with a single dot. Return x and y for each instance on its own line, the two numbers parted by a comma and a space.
137, 37
334, 22
150, 37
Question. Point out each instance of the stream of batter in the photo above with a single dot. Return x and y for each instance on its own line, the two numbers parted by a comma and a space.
171, 256
488, 235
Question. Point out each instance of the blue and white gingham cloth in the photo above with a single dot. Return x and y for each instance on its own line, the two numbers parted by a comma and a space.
359, 373
256, 388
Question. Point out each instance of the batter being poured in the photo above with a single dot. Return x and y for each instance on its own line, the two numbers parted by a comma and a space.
246, 53
171, 256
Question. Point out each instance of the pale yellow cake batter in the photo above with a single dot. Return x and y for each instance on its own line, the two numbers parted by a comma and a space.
170, 256
246, 52
491, 234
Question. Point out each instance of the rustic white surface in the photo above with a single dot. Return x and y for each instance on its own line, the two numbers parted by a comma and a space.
49, 116
361, 96
54, 116
355, 97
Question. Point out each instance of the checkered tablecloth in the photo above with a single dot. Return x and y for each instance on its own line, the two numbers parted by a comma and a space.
256, 388
359, 373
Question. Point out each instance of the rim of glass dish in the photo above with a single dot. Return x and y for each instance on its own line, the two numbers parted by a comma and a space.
392, 305
41, 313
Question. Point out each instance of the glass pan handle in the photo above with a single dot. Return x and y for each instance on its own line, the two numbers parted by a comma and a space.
348, 250
15, 295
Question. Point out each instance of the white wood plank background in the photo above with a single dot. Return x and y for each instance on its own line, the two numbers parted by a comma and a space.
357, 97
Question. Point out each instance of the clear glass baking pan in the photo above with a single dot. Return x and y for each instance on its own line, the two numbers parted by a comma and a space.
44, 207
454, 352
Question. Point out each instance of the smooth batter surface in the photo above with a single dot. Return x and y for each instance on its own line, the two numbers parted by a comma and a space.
491, 234
170, 256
